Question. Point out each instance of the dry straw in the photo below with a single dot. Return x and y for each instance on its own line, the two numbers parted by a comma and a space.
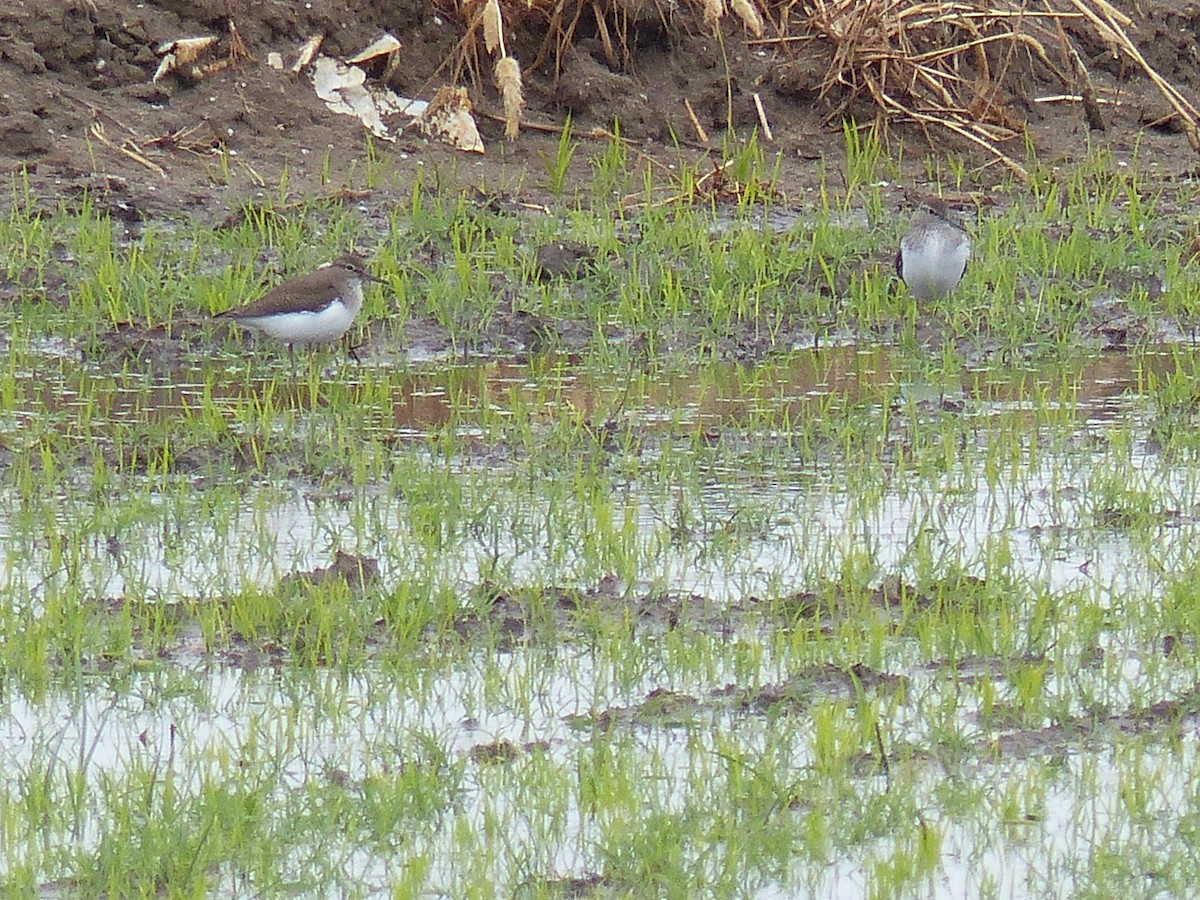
749, 15
713, 11
493, 27
947, 65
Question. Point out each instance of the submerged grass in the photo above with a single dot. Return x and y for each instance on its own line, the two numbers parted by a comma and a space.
716, 568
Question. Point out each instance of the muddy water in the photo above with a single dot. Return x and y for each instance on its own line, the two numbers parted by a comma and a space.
723, 394
1037, 519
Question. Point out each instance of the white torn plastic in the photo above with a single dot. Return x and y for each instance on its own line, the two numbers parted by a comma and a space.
344, 90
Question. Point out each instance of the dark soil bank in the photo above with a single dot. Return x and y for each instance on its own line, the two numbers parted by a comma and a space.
79, 109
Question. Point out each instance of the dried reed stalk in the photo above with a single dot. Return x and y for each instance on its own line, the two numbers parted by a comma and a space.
508, 80
507, 71
493, 27
749, 15
713, 11
944, 64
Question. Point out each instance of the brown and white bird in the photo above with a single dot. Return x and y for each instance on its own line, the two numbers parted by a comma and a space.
315, 308
933, 254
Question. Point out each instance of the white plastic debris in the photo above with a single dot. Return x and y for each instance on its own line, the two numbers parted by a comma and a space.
384, 45
344, 90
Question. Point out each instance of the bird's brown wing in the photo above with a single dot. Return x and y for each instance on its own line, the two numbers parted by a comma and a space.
294, 295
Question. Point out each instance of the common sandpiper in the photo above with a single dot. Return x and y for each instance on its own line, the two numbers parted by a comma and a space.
933, 254
315, 308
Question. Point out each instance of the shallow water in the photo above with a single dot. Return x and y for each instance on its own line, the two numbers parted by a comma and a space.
319, 730
803, 504
729, 394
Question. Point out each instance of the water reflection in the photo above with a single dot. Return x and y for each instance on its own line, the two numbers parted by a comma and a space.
797, 387
730, 394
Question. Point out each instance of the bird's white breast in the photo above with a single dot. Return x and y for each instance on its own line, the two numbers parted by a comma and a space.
933, 265
311, 327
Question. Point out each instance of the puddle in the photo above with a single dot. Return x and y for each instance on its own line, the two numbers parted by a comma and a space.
723, 394
1036, 519
1045, 524
320, 732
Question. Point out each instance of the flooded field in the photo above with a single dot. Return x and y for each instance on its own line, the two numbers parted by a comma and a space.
917, 656
582, 587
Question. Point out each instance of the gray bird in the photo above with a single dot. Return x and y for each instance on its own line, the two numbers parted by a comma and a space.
933, 254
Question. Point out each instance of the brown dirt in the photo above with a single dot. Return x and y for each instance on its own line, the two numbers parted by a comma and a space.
70, 66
